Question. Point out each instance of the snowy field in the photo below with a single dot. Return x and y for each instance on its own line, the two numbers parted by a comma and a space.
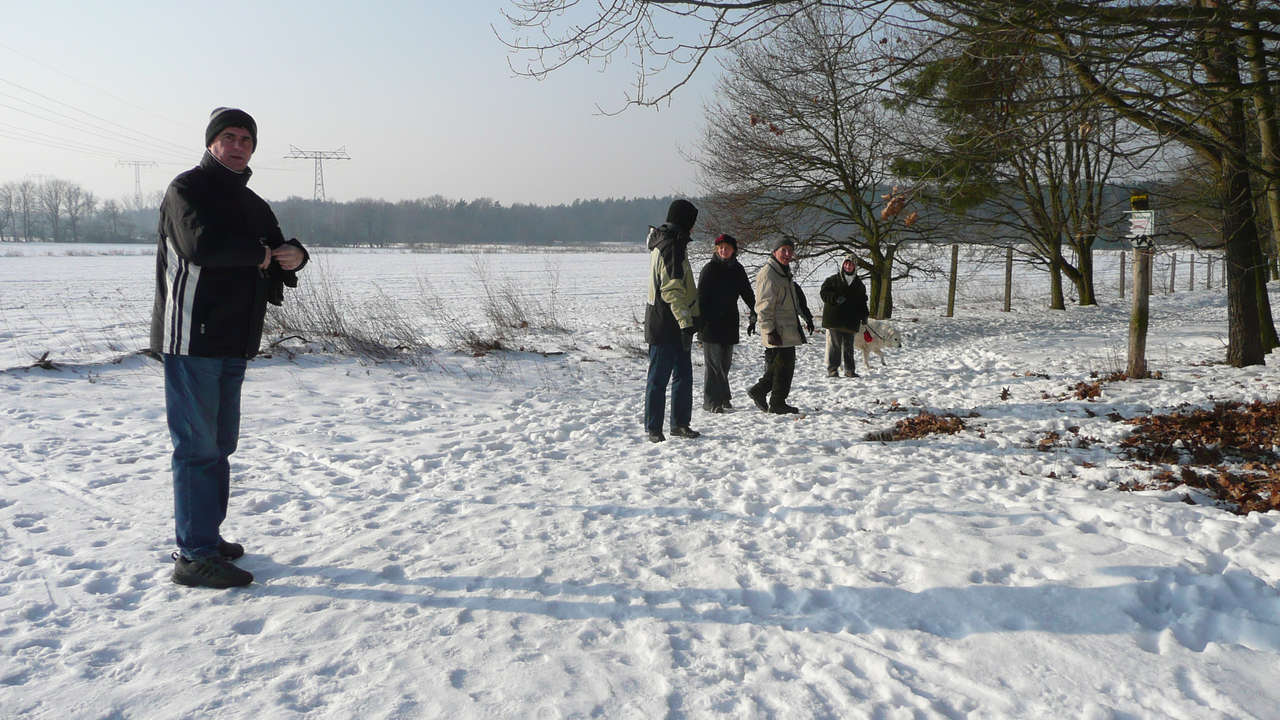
492, 537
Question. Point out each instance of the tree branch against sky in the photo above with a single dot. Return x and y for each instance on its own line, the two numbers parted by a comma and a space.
1172, 66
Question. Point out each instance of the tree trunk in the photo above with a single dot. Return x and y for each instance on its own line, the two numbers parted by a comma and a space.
882, 286
1264, 104
1008, 278
1248, 308
1240, 238
1173, 272
1140, 314
1191, 273
1056, 301
951, 285
1083, 278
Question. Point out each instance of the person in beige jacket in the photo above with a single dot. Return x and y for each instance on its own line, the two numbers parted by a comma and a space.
778, 318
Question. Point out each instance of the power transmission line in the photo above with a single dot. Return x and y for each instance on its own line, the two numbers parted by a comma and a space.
318, 156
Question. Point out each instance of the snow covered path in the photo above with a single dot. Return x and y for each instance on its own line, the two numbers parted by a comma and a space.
497, 540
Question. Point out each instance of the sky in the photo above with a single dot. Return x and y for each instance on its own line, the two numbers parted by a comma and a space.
420, 94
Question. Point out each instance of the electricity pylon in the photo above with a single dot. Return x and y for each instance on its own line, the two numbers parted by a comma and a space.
137, 166
318, 156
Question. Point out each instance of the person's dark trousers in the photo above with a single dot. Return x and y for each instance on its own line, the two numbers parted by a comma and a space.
202, 402
779, 366
839, 347
718, 358
664, 361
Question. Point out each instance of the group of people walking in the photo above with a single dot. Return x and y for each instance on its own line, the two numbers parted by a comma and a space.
678, 309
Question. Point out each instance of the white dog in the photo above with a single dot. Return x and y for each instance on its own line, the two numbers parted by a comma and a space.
873, 337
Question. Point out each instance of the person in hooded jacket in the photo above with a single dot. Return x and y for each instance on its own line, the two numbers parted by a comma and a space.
778, 315
844, 310
722, 282
671, 318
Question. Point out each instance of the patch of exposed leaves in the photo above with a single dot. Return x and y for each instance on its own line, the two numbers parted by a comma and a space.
1090, 390
926, 423
1229, 450
1053, 438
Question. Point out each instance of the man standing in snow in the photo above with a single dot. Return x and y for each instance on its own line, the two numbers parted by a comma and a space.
220, 258
671, 318
721, 284
777, 310
844, 309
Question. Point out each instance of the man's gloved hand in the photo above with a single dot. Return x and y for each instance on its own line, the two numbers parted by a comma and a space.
809, 325
774, 338
751, 325
686, 338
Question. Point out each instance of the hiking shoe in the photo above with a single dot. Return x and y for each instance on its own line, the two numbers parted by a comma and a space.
230, 550
833, 373
717, 409
213, 571
758, 397
850, 373
784, 409
657, 437
685, 432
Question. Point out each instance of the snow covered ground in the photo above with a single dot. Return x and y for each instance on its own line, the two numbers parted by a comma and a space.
492, 537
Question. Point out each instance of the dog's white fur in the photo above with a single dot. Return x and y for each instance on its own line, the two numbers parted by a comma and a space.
883, 335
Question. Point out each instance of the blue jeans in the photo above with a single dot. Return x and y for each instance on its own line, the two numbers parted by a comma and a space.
664, 360
202, 402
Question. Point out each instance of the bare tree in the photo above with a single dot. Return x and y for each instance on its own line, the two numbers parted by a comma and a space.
110, 212
53, 199
8, 206
79, 203
27, 207
788, 151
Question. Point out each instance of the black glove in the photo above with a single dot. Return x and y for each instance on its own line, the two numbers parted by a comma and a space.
774, 338
809, 326
751, 325
686, 339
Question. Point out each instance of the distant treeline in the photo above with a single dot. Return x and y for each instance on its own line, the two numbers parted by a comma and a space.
54, 210
438, 221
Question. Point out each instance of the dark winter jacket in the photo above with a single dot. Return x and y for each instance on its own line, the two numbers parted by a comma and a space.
803, 302
673, 296
720, 285
844, 302
211, 297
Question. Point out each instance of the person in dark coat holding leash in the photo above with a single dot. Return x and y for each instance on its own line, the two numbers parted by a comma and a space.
671, 318
844, 310
722, 282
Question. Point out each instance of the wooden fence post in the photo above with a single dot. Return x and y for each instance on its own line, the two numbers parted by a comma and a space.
1173, 271
1141, 312
1122, 256
1008, 278
951, 285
